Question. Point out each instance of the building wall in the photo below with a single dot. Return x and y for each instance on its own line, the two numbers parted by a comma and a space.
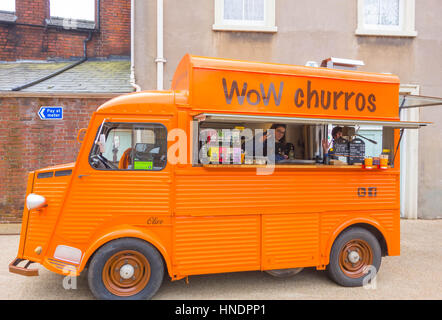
309, 30
18, 42
28, 143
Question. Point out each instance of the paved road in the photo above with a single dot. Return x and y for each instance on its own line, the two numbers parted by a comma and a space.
416, 274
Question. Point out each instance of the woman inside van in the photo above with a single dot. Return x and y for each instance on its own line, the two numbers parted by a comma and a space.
280, 142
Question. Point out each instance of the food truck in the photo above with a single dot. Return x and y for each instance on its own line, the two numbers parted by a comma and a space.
163, 185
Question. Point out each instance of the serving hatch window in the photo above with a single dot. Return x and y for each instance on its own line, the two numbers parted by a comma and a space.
129, 146
250, 143
349, 145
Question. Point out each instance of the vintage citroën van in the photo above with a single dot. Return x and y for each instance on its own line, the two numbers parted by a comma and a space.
163, 185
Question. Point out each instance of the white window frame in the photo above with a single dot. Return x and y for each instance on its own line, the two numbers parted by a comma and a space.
268, 25
9, 11
67, 22
406, 26
74, 18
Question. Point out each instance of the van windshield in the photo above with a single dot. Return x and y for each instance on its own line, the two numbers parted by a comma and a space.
129, 146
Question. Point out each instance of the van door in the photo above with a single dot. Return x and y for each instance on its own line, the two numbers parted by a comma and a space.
122, 178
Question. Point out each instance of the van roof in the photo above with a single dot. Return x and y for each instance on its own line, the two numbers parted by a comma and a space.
268, 89
234, 86
198, 62
160, 102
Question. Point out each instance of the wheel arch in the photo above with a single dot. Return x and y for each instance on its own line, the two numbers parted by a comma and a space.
373, 230
121, 233
370, 225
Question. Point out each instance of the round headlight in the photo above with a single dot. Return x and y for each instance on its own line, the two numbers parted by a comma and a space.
35, 201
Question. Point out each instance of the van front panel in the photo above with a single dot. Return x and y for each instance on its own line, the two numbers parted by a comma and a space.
103, 198
41, 222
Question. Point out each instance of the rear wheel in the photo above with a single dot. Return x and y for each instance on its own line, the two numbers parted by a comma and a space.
284, 273
355, 256
125, 269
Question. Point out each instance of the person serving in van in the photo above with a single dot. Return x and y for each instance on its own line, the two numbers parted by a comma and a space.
336, 135
279, 141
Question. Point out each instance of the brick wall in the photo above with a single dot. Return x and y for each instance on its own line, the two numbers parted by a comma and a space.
19, 42
28, 143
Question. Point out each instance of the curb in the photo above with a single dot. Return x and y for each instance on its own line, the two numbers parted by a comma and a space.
10, 229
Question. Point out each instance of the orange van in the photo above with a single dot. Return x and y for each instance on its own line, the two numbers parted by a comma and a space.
163, 184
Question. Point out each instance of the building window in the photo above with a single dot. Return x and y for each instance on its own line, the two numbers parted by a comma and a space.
79, 9
386, 18
7, 11
7, 5
245, 15
79, 14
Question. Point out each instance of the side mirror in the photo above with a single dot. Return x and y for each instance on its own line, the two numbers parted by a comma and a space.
102, 143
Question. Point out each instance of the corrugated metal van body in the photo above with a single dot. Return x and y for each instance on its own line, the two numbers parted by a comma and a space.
41, 223
219, 191
290, 240
217, 244
108, 198
292, 213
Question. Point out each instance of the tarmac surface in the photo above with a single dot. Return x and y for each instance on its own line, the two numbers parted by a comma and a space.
415, 275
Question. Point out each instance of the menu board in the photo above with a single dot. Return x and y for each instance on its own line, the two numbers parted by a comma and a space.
340, 147
357, 151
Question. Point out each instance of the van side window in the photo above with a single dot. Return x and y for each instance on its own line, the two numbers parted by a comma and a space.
129, 146
241, 143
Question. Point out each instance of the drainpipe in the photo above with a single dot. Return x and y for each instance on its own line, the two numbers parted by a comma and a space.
56, 73
98, 16
133, 81
160, 59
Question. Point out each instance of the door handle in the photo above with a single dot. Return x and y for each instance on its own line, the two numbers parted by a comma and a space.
83, 175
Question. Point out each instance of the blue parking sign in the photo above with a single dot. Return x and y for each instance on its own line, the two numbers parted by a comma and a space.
51, 113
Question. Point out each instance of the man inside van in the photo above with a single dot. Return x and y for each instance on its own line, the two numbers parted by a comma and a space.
329, 152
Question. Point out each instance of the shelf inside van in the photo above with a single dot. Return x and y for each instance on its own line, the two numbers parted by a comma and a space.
282, 166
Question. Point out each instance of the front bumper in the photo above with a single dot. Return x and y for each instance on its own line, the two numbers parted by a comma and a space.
24, 271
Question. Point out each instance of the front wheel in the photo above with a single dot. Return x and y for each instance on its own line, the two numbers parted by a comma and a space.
125, 269
355, 258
